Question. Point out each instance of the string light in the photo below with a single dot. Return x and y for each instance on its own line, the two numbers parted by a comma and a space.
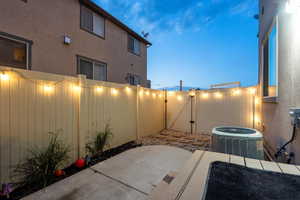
179, 98
99, 89
192, 93
48, 88
257, 101
205, 95
252, 91
4, 77
257, 119
236, 92
171, 93
218, 95
114, 91
141, 93
77, 88
128, 89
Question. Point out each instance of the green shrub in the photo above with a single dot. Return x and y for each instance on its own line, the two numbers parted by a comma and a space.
38, 169
102, 140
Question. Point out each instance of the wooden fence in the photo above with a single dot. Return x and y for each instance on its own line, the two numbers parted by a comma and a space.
32, 104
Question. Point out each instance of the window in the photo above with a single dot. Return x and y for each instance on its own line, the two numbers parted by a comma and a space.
92, 69
13, 53
133, 45
92, 22
133, 79
270, 63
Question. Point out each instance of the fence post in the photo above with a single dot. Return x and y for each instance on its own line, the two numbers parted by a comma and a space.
137, 112
166, 109
81, 123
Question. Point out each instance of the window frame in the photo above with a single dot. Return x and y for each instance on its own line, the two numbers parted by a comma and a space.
93, 61
92, 32
266, 62
28, 44
128, 47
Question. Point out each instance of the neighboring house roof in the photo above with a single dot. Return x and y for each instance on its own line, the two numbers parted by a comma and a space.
108, 16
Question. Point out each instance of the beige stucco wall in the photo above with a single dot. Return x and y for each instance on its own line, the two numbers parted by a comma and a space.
276, 119
46, 22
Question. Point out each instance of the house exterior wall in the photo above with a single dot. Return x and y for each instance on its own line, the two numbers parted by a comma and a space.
46, 22
275, 114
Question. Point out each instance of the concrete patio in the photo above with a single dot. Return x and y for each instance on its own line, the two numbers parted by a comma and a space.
130, 175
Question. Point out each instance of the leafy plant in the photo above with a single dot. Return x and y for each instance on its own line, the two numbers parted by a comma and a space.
38, 169
102, 140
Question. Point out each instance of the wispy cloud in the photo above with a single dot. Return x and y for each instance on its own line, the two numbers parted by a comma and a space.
156, 16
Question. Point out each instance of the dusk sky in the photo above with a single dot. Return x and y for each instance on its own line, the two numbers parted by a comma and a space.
201, 42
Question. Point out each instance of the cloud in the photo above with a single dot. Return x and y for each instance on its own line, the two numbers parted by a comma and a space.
156, 16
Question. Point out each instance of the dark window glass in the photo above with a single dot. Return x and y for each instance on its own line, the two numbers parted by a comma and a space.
270, 63
100, 72
86, 19
92, 69
130, 44
92, 22
13, 53
86, 68
133, 45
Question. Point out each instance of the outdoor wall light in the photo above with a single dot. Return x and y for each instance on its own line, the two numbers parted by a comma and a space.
292, 6
147, 93
4, 77
154, 95
67, 40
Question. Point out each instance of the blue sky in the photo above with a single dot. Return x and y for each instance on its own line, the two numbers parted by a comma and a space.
201, 42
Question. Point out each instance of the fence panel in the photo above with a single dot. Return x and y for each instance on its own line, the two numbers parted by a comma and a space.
211, 108
32, 104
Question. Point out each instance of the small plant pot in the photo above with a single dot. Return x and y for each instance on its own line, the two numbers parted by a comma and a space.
59, 173
80, 163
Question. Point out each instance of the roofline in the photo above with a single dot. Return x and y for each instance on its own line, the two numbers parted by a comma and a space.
108, 16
